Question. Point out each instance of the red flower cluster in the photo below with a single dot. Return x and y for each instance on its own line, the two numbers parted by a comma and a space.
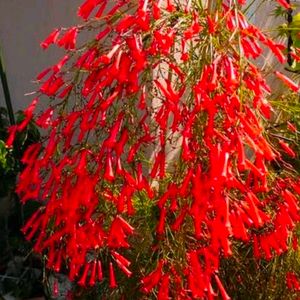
145, 84
293, 281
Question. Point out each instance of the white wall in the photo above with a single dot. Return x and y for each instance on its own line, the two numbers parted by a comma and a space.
23, 25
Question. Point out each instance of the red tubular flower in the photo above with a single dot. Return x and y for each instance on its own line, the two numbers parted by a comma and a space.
135, 45
130, 208
101, 9
51, 257
123, 268
33, 219
83, 279
117, 236
291, 127
238, 226
112, 279
253, 211
142, 103
222, 234
51, 39
109, 172
43, 74
211, 25
231, 22
273, 241
126, 22
31, 153
121, 258
164, 41
34, 228
295, 242
268, 152
277, 50
103, 33
163, 199
225, 165
28, 114
51, 86
186, 182
178, 222
156, 9
162, 219
124, 225
124, 68
122, 263
159, 165
287, 149
87, 7
119, 147
284, 4
254, 169
287, 81
56, 68
293, 206
284, 217
251, 47
231, 71
293, 281
112, 139
99, 269
195, 272
92, 280
152, 279
265, 247
12, 130
170, 7
241, 154
44, 121
163, 291
108, 102
256, 251
68, 40
66, 91
143, 20
184, 54
295, 184
221, 288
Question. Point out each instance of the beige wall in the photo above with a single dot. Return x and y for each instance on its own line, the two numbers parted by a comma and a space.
23, 24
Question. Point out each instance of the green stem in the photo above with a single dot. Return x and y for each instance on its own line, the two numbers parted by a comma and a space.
6, 92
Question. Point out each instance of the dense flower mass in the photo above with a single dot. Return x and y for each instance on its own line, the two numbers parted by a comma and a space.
164, 107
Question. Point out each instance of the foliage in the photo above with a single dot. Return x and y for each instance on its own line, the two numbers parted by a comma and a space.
18, 272
158, 165
10, 158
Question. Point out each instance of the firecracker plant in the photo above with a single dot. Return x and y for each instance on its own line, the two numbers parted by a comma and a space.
155, 159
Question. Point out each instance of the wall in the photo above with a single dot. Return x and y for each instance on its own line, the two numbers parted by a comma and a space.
23, 25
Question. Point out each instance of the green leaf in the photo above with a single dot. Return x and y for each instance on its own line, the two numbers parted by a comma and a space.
3, 155
295, 67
